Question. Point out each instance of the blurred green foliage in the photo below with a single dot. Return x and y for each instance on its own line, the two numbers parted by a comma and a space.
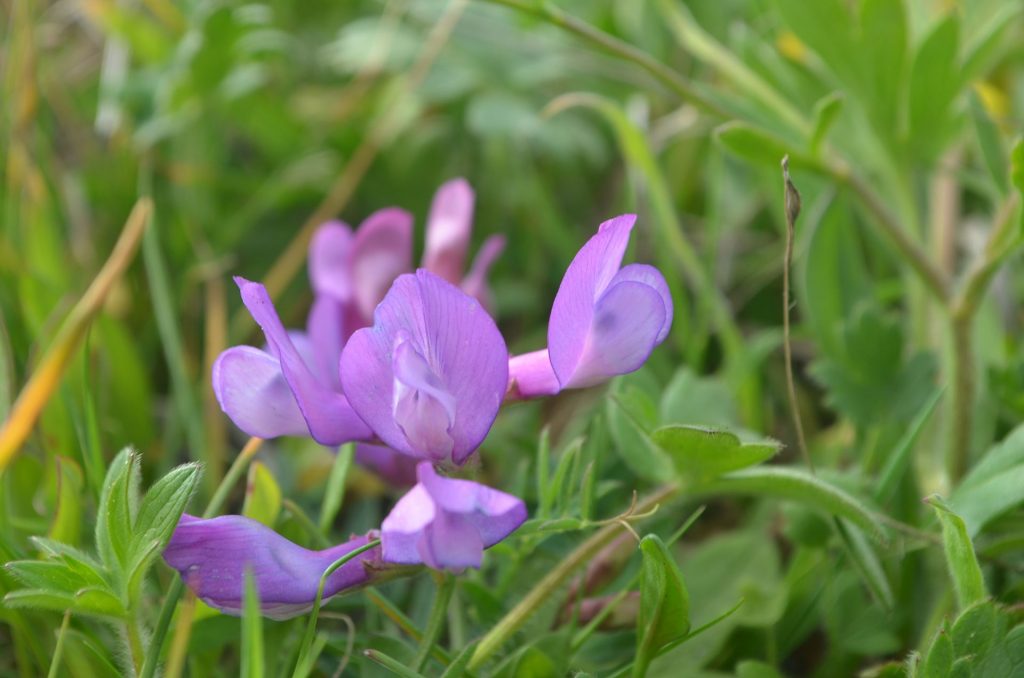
902, 121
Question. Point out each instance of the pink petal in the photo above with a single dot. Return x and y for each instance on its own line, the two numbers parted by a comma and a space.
330, 252
448, 230
381, 251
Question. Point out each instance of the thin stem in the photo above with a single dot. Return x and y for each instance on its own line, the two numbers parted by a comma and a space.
660, 71
179, 644
792, 205
1000, 243
135, 649
177, 586
556, 578
301, 667
59, 650
445, 588
934, 279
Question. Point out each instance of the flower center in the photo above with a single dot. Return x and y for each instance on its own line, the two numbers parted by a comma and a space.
424, 410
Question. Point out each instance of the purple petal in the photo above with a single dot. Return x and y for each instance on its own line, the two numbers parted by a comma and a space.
213, 555
448, 230
648, 275
326, 333
451, 542
381, 251
253, 392
424, 410
401, 530
625, 328
396, 468
328, 415
447, 523
329, 253
495, 514
475, 282
530, 375
461, 348
585, 280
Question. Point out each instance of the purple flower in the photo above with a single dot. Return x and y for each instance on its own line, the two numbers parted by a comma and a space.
605, 321
429, 376
352, 273
287, 389
213, 555
447, 523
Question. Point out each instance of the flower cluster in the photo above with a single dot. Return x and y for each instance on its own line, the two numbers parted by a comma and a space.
411, 367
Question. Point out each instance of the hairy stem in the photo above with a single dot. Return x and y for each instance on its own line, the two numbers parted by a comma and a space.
177, 586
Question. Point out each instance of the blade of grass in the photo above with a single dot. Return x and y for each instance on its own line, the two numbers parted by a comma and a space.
165, 310
51, 368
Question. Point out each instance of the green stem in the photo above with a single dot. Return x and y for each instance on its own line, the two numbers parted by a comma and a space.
135, 648
887, 221
546, 588
220, 497
301, 668
1000, 243
660, 71
445, 588
59, 650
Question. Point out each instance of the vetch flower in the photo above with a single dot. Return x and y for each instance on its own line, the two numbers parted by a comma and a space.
351, 272
287, 389
605, 320
213, 555
446, 523
429, 376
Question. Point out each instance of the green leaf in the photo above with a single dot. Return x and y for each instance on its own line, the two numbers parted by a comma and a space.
934, 82
163, 505
335, 494
705, 454
94, 601
939, 661
262, 495
695, 400
884, 48
990, 142
870, 381
994, 485
826, 110
116, 513
56, 549
664, 615
827, 28
53, 575
631, 416
799, 485
835, 279
756, 669
67, 520
253, 655
975, 630
457, 668
867, 563
960, 558
700, 44
899, 459
1006, 658
760, 147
